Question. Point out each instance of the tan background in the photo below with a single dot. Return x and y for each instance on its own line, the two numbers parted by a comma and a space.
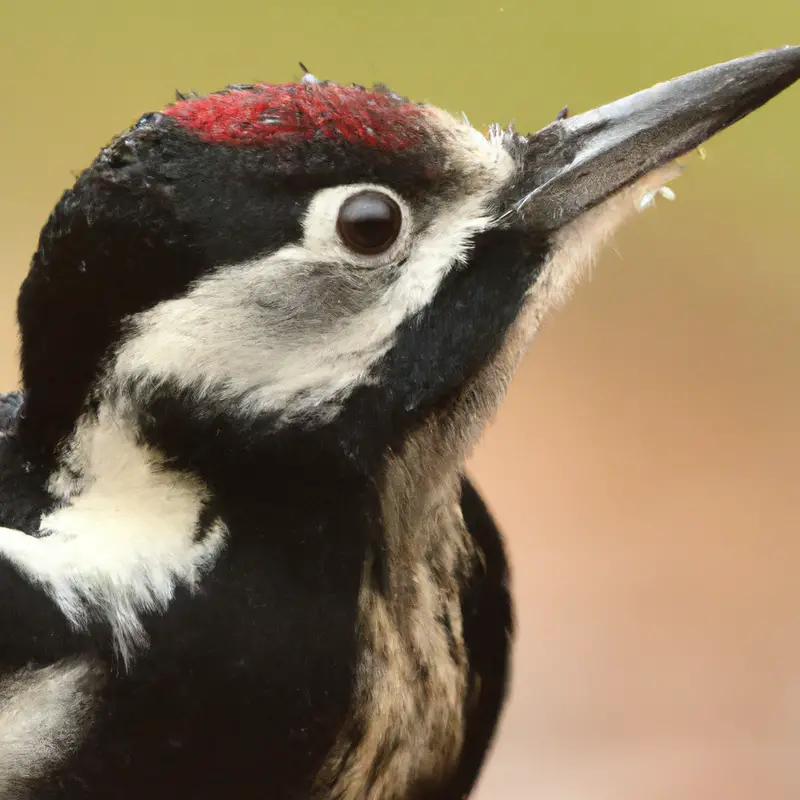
645, 465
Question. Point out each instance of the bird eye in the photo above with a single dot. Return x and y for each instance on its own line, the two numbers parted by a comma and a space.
369, 222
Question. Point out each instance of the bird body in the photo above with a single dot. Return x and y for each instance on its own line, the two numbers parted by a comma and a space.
250, 674
260, 336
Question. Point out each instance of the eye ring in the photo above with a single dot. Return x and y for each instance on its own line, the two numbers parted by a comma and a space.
369, 222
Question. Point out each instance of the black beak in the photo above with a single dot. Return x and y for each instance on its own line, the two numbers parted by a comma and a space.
577, 162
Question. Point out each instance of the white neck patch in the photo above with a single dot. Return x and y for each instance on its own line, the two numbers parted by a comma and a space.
125, 537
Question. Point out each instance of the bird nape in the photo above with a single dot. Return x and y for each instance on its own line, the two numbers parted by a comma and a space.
260, 335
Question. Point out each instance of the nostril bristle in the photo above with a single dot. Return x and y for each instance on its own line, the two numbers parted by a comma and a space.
307, 76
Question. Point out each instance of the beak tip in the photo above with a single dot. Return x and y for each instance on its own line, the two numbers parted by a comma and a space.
782, 62
579, 161
769, 72
791, 53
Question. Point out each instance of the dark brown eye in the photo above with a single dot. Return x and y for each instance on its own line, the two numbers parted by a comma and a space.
369, 222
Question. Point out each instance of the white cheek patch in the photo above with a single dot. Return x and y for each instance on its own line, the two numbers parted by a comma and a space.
237, 338
125, 538
44, 716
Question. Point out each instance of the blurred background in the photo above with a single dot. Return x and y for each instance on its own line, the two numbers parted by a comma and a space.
645, 464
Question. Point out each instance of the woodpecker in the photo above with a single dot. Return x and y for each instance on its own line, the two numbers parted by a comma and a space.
239, 554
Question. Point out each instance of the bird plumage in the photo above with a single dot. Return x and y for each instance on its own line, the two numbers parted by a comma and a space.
249, 536
252, 675
238, 550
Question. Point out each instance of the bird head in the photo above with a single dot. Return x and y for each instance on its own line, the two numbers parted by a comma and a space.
329, 259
